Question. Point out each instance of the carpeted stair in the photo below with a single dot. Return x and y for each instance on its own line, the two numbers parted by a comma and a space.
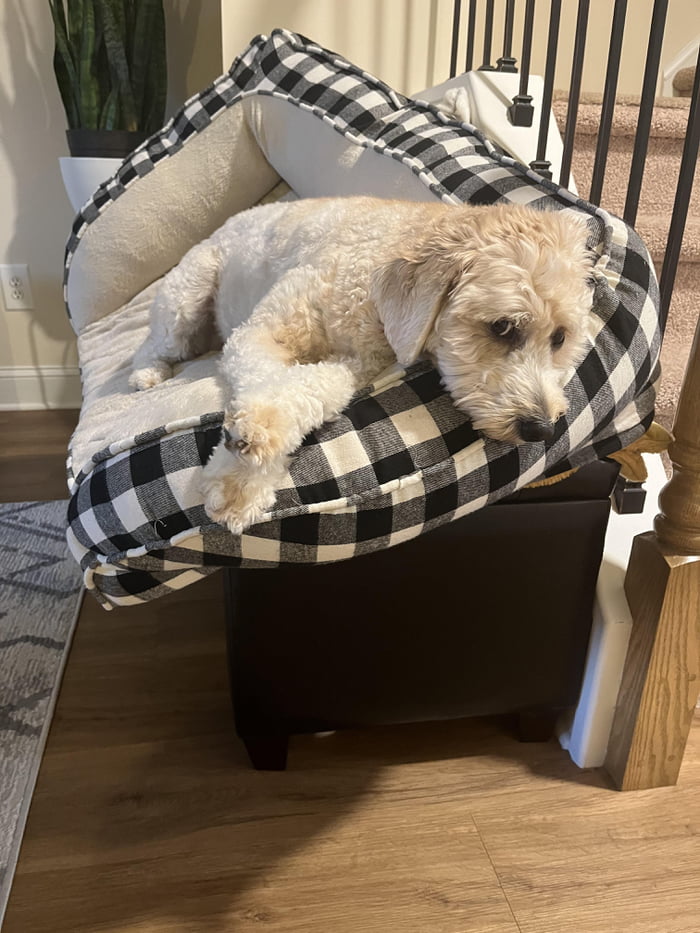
654, 214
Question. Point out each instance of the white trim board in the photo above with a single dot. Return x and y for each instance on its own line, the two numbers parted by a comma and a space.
686, 58
586, 734
25, 388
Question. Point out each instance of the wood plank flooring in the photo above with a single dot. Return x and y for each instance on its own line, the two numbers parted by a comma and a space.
33, 454
147, 817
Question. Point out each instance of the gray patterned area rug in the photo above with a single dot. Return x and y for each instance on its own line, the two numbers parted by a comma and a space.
40, 595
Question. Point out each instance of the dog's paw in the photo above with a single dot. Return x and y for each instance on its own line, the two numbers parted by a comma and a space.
150, 376
229, 505
235, 495
256, 435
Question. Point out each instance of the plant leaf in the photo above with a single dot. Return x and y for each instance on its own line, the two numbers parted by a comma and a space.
149, 69
110, 62
89, 85
75, 20
104, 78
64, 66
109, 118
112, 23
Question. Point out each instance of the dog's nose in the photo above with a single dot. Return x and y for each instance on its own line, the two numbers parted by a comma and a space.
534, 429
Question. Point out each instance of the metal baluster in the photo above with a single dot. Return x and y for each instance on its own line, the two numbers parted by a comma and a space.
488, 37
608, 108
471, 32
540, 164
574, 91
506, 62
686, 177
646, 109
455, 36
521, 111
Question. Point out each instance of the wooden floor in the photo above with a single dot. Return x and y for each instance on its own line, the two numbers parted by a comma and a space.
33, 454
147, 817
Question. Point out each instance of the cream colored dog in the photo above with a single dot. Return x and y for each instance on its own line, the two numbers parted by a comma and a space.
314, 298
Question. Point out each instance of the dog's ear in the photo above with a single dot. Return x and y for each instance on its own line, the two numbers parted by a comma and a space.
409, 294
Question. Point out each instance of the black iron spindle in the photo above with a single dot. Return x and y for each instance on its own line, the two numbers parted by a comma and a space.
574, 91
488, 37
506, 62
471, 32
541, 164
608, 108
686, 177
521, 111
646, 110
456, 11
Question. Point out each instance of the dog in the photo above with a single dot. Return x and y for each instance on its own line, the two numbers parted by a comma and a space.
314, 298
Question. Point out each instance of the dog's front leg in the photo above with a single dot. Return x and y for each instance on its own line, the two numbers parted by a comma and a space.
277, 402
181, 323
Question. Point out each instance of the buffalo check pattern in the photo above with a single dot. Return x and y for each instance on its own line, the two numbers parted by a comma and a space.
401, 460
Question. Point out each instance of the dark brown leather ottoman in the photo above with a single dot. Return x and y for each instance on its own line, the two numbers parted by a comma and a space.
487, 614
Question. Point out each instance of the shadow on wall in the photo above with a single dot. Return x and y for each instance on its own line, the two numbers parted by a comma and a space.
193, 39
398, 40
37, 215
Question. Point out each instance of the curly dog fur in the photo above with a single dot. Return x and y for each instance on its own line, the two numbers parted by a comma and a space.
313, 298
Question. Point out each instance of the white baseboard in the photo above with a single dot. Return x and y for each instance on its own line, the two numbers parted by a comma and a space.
24, 388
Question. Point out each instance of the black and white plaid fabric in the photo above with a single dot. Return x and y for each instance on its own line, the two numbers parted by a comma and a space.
401, 460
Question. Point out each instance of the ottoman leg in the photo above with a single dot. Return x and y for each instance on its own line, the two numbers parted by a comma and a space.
537, 725
267, 752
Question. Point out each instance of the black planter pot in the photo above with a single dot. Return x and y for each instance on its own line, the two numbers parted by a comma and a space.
109, 144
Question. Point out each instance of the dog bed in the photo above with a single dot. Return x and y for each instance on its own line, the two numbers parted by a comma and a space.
401, 460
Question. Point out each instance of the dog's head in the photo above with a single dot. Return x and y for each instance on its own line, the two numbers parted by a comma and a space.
500, 298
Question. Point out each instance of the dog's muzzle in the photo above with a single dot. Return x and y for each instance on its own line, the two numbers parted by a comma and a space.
534, 429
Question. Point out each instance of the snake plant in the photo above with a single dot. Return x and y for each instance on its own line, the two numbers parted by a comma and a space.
110, 63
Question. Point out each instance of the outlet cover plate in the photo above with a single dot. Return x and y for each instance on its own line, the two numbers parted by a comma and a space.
16, 288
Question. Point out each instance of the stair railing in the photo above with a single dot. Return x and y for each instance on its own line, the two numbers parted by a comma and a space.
646, 109
521, 110
541, 164
574, 91
488, 37
659, 688
506, 62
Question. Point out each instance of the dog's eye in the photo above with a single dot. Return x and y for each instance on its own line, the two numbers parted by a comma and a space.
558, 338
503, 328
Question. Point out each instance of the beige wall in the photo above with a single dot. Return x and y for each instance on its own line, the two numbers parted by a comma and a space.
407, 42
404, 42
34, 213
35, 217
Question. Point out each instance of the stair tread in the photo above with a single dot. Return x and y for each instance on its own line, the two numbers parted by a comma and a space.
668, 129
669, 117
653, 229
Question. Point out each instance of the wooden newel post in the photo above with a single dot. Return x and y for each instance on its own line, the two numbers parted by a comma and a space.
660, 682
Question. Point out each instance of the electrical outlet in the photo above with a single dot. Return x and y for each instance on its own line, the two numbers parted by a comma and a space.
16, 290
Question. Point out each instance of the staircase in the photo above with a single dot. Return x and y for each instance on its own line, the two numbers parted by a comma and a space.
655, 207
